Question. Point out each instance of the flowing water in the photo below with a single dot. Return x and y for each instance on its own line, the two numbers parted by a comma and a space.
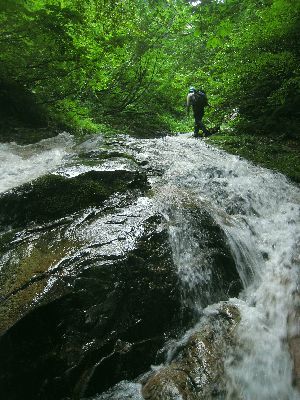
258, 212
20, 164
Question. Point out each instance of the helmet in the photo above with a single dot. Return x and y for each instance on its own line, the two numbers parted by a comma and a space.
192, 89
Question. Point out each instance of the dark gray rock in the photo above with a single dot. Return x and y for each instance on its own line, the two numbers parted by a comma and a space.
106, 327
209, 274
54, 196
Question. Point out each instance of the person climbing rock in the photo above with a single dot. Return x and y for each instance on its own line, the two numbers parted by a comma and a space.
198, 101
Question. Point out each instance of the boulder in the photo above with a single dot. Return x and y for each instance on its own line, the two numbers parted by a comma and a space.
197, 369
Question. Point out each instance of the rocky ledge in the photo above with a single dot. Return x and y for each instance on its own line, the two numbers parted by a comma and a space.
196, 371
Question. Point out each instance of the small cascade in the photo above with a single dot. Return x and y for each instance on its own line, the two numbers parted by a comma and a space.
258, 212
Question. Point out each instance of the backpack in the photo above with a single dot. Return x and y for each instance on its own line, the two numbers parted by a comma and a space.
199, 99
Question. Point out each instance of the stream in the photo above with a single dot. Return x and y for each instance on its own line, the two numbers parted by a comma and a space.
190, 265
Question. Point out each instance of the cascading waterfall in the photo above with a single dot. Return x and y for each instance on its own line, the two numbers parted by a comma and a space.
257, 212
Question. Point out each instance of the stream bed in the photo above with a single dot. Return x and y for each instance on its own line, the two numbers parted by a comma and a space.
156, 269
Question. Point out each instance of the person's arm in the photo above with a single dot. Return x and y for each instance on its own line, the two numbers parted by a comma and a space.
188, 103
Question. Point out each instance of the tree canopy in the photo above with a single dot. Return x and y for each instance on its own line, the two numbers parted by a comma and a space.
129, 63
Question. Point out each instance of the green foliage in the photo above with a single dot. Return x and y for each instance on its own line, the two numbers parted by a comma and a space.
127, 64
85, 61
255, 64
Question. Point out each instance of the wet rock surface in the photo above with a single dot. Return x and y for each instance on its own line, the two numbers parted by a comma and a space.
40, 220
196, 371
294, 340
55, 196
90, 289
121, 246
209, 274
106, 326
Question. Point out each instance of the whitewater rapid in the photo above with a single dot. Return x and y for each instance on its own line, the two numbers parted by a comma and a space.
259, 212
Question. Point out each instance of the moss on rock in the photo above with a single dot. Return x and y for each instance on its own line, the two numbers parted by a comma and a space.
26, 274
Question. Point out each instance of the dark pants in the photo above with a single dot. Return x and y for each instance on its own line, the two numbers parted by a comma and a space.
198, 115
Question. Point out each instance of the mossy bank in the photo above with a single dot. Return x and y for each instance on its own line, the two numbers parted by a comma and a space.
276, 153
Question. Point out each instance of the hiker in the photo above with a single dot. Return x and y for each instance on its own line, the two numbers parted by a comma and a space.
198, 100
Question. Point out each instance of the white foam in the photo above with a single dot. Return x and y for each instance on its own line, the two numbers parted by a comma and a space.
21, 164
259, 212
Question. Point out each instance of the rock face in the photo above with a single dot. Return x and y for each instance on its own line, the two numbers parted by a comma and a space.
197, 371
85, 291
37, 220
90, 291
105, 328
53, 196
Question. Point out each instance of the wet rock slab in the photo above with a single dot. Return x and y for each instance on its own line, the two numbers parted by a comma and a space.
101, 293
41, 221
203, 257
55, 196
106, 327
